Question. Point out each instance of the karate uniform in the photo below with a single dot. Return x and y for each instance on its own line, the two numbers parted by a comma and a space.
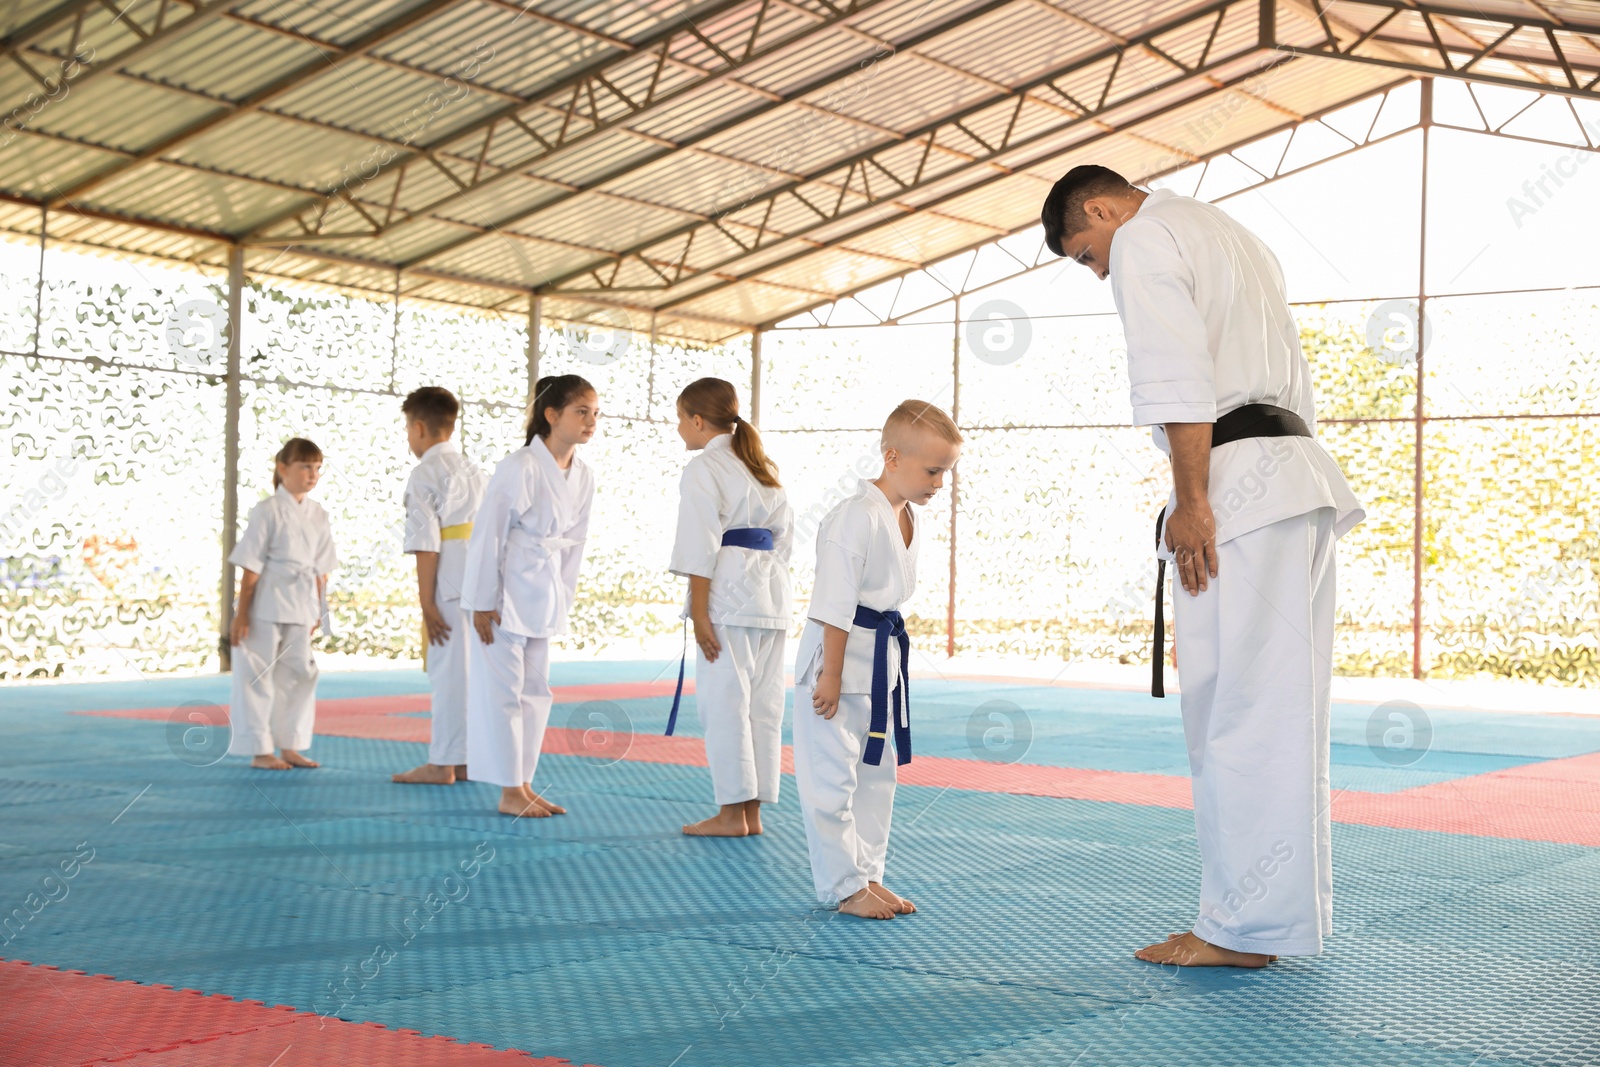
862, 560
1209, 330
441, 501
740, 696
274, 703
522, 561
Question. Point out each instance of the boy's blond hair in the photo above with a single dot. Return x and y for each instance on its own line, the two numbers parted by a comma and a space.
918, 415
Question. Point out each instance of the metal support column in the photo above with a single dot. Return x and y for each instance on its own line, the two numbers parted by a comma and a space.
535, 324
755, 377
230, 448
1419, 417
955, 489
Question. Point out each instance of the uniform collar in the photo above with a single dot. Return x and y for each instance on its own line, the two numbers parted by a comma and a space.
1155, 196
443, 448
282, 493
721, 441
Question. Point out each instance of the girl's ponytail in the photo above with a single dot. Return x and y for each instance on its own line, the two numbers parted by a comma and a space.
717, 402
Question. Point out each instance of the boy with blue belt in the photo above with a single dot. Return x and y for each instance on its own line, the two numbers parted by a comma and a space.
852, 678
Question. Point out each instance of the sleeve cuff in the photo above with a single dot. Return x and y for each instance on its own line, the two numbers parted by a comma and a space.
824, 614
1154, 414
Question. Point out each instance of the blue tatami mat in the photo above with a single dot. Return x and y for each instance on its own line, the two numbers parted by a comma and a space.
605, 937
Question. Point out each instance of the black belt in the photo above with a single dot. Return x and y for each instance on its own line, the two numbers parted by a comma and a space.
1251, 420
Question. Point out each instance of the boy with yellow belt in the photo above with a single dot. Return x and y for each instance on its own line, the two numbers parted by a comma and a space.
442, 497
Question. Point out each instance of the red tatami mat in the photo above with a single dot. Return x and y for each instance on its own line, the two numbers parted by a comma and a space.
51, 1018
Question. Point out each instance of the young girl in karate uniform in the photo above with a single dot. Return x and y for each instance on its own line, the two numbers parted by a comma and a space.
286, 554
735, 533
521, 575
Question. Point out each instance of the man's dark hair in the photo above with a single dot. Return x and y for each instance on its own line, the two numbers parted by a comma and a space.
1063, 215
436, 408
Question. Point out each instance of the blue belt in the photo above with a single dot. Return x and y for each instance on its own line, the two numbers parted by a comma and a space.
743, 537
887, 624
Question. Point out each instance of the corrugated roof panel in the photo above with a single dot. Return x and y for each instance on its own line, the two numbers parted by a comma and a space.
37, 167
600, 222
687, 180
627, 19
124, 114
795, 140
907, 95
504, 200
225, 58
190, 197
22, 12
512, 259
339, 21
1035, 41
400, 244
66, 227
103, 31
364, 95
751, 302
699, 110
828, 52
487, 43
587, 161
275, 148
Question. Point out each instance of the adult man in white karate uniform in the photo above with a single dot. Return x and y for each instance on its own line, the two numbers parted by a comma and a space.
1215, 368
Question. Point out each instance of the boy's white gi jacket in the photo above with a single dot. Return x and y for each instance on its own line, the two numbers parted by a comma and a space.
445, 489
527, 542
861, 560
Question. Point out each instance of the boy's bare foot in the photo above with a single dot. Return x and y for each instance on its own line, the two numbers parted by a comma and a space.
899, 903
269, 762
1187, 950
752, 817
461, 773
294, 759
553, 809
1173, 937
865, 904
520, 803
729, 821
427, 774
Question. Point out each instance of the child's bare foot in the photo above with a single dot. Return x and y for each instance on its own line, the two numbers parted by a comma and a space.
427, 774
520, 803
269, 762
865, 904
294, 759
461, 773
553, 809
899, 903
1187, 950
1173, 937
752, 817
729, 821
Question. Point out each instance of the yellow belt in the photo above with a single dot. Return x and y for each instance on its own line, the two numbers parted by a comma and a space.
461, 531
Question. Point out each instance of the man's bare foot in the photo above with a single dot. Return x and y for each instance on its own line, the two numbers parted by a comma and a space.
752, 817
520, 803
294, 759
427, 774
269, 762
553, 809
899, 903
729, 821
865, 904
1187, 950
1173, 937
461, 773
